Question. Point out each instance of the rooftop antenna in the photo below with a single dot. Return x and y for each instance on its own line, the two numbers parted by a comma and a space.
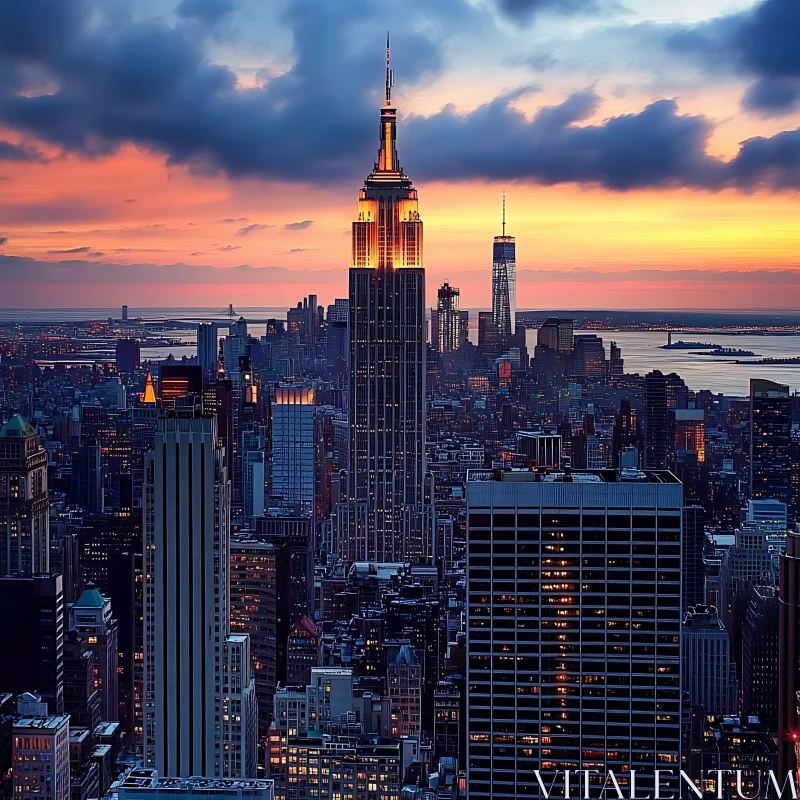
389, 74
504, 213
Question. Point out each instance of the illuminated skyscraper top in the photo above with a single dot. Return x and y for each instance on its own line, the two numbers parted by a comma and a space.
504, 282
387, 233
389, 516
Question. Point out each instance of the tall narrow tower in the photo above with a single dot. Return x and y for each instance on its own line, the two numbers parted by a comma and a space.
387, 361
504, 283
24, 524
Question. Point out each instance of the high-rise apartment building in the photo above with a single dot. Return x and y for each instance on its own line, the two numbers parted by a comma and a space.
24, 524
294, 447
448, 319
386, 517
573, 661
186, 607
770, 438
504, 283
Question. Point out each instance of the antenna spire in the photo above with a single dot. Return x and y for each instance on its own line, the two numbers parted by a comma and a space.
504, 213
389, 74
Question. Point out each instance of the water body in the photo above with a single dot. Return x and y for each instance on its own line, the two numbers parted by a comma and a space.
642, 353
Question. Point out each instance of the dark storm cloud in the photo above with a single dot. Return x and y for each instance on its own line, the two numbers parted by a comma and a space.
19, 152
3, 239
656, 147
761, 42
299, 226
155, 86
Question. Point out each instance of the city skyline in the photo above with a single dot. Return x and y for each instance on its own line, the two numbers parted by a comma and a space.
616, 140
368, 541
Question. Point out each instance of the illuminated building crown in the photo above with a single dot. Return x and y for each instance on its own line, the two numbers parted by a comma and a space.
388, 231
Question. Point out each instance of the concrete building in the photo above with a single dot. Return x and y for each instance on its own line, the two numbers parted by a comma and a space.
92, 617
709, 672
404, 685
572, 659
40, 758
187, 607
24, 523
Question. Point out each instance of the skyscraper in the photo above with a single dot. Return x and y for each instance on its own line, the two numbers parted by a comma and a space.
770, 437
573, 661
657, 428
253, 611
188, 655
709, 671
504, 283
92, 617
24, 524
448, 319
207, 349
294, 431
32, 629
387, 362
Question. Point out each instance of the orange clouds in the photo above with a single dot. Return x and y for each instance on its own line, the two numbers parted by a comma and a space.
132, 208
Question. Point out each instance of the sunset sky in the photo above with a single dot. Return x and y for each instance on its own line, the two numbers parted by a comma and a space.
206, 152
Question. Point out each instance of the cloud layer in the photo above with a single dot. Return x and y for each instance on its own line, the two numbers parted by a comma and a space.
73, 79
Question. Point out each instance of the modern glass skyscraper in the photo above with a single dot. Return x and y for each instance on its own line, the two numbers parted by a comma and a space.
573, 661
504, 282
293, 449
387, 362
770, 438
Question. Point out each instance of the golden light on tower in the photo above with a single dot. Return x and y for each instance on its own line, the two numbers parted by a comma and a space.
387, 233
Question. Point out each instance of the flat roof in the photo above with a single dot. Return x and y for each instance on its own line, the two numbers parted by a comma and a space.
543, 475
42, 723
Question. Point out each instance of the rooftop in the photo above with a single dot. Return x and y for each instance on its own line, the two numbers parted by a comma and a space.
543, 475
16, 428
42, 723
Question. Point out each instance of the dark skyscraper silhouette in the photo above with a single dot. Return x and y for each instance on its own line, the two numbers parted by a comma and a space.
770, 437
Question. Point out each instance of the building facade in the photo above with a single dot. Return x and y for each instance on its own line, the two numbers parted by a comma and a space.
386, 468
572, 660
770, 439
24, 523
294, 447
186, 605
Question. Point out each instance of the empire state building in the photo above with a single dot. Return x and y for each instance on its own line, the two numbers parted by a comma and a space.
389, 515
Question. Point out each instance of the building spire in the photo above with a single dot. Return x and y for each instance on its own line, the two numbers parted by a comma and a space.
389, 74
387, 155
504, 213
